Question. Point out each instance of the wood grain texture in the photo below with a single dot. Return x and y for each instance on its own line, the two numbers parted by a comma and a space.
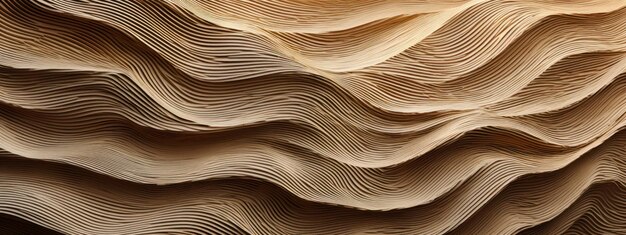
313, 117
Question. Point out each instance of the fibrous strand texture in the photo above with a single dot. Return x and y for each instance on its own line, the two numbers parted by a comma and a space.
312, 116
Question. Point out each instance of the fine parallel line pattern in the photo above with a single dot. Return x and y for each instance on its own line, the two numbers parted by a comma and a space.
313, 117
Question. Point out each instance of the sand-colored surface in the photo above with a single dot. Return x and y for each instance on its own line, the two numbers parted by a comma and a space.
313, 117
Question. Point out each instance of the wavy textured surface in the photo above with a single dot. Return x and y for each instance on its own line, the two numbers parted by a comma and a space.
313, 117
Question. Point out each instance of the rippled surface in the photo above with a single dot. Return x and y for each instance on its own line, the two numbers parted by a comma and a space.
313, 117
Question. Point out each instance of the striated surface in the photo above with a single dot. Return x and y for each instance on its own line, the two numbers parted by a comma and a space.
313, 117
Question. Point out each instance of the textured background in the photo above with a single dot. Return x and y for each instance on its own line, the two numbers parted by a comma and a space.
312, 116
